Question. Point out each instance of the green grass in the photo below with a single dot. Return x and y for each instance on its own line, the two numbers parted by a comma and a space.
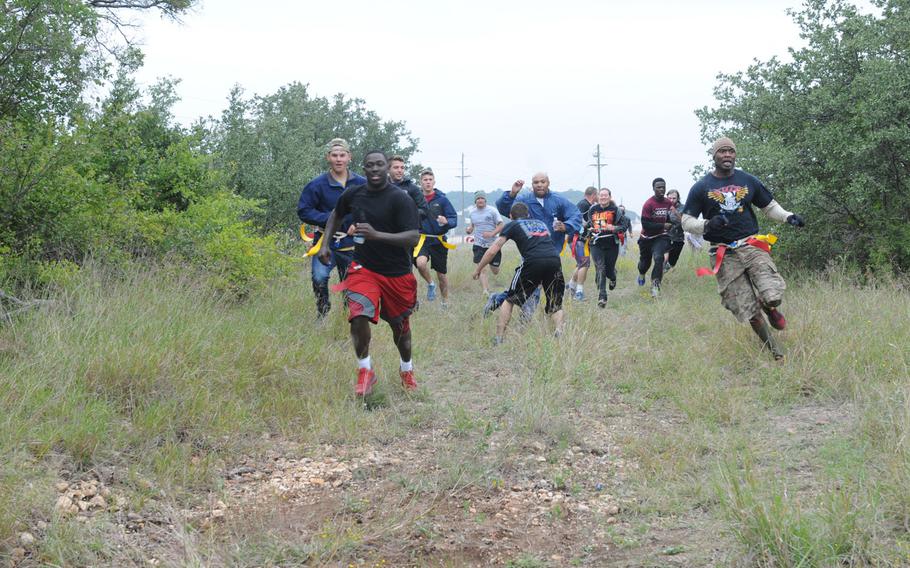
153, 374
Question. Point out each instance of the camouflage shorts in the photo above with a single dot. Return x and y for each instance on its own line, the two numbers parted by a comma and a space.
746, 279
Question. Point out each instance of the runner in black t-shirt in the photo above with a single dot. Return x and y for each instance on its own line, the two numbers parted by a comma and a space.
540, 266
379, 282
747, 279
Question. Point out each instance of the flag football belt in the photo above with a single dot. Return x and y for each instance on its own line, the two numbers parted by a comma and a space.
762, 242
314, 250
587, 251
423, 238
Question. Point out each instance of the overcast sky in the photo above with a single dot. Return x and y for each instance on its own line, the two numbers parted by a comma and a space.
517, 86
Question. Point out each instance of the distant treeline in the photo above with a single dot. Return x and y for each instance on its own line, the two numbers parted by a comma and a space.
117, 179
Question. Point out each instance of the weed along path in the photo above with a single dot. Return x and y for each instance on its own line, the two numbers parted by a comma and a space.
651, 433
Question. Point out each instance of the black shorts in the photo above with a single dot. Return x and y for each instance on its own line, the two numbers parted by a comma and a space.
438, 254
545, 272
480, 251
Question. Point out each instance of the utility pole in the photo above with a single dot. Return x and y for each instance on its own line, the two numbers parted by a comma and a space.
598, 165
462, 176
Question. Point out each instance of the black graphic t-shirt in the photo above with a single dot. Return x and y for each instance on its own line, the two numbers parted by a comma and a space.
388, 210
599, 217
532, 237
732, 197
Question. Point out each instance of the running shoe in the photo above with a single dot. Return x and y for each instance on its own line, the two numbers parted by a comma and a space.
497, 341
777, 319
431, 291
612, 284
667, 267
366, 378
493, 303
579, 296
641, 279
655, 291
602, 303
571, 285
407, 380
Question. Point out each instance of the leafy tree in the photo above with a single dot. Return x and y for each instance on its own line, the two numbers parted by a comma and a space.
830, 132
271, 146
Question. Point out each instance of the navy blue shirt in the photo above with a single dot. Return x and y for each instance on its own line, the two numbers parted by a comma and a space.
553, 206
532, 237
318, 199
438, 205
732, 197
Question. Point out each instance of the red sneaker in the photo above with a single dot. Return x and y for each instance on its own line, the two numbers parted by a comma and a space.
777, 319
407, 380
366, 378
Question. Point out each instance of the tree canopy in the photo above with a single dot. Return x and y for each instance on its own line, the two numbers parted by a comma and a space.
829, 131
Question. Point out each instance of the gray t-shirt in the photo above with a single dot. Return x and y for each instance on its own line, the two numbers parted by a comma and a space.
484, 220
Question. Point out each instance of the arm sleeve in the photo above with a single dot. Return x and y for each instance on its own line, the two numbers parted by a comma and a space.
572, 217
504, 203
774, 211
450, 214
306, 207
693, 225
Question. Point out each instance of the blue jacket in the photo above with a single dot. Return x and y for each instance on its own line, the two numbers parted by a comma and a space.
553, 206
318, 199
439, 205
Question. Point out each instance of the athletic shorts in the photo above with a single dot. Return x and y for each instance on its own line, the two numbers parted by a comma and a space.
581, 261
748, 278
372, 295
480, 251
437, 254
545, 272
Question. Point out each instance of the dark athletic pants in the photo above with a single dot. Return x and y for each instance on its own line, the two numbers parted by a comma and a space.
676, 249
652, 250
604, 253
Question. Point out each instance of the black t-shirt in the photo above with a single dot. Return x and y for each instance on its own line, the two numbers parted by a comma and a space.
532, 237
732, 197
388, 210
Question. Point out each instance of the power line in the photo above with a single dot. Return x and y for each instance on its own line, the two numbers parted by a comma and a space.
598, 165
462, 176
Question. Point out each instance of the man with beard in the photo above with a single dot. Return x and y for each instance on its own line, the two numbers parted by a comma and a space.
747, 279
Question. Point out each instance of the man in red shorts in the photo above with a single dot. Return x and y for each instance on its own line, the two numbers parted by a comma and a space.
379, 282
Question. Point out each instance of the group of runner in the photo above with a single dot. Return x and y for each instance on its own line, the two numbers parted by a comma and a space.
375, 229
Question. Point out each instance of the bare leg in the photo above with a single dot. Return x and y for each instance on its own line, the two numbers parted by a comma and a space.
402, 342
360, 336
505, 314
485, 280
559, 320
423, 269
494, 269
443, 285
581, 274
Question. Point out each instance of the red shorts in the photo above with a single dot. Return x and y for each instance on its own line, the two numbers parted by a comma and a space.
394, 296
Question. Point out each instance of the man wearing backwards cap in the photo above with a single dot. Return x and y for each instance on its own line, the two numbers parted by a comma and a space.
486, 222
317, 200
747, 278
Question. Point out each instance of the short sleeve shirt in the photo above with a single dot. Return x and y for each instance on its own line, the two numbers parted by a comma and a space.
484, 220
532, 237
732, 197
388, 210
